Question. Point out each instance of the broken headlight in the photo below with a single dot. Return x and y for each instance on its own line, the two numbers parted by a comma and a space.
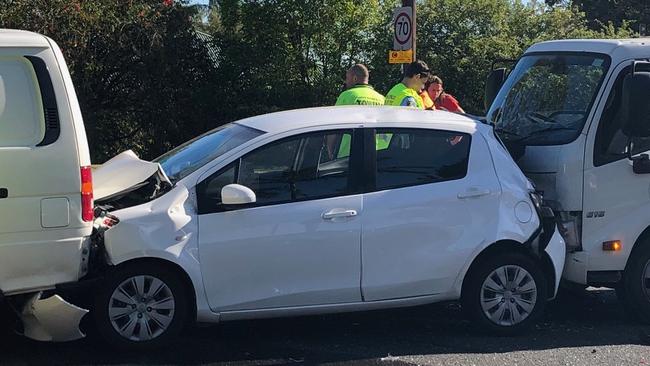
570, 227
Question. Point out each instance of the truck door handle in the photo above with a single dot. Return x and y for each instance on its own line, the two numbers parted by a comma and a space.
337, 213
4, 193
473, 193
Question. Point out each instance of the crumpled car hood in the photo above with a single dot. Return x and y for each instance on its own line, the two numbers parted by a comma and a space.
121, 173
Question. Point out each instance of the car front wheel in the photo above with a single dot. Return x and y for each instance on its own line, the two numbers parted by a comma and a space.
141, 306
505, 293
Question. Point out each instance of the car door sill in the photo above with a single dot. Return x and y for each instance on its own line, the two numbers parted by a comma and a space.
331, 308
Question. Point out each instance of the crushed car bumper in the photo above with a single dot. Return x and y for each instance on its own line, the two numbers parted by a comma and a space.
549, 245
51, 319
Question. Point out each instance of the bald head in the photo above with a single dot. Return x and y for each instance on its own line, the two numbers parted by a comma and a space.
357, 74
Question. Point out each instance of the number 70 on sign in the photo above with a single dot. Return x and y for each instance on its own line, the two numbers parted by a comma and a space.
403, 29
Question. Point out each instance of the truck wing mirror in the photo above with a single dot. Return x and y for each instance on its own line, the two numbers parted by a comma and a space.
492, 86
635, 101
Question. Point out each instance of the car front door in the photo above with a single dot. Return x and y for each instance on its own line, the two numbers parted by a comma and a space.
430, 205
299, 244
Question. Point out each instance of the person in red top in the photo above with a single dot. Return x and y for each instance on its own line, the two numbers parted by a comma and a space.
441, 99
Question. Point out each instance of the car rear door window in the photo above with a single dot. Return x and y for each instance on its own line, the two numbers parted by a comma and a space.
420, 156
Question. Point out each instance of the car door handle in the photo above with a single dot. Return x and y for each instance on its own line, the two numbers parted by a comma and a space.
473, 193
4, 193
337, 213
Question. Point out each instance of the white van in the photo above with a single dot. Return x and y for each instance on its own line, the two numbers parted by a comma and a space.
46, 197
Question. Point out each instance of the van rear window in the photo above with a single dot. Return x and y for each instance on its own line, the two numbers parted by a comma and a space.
21, 110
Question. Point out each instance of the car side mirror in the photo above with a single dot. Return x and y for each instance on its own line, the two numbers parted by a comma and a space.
236, 194
635, 103
494, 82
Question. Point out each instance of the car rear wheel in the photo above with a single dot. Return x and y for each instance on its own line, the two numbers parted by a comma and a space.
141, 306
505, 293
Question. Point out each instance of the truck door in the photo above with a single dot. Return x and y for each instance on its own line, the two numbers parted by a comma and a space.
616, 200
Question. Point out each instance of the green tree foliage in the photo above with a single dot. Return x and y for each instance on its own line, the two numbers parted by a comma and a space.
281, 54
617, 12
147, 82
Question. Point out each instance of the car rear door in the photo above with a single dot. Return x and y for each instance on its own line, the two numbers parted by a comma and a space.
431, 202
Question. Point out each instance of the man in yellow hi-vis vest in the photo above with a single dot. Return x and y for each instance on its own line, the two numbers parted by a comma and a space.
406, 93
358, 91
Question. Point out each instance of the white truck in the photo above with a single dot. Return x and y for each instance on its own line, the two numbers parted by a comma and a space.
575, 114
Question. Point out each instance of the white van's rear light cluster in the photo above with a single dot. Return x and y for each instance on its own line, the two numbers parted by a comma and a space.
87, 212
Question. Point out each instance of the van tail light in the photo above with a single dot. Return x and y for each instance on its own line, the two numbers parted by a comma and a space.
87, 212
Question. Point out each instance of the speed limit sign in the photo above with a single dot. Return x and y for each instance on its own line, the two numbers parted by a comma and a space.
403, 29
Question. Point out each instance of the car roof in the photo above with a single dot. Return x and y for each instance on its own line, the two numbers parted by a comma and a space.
21, 38
358, 115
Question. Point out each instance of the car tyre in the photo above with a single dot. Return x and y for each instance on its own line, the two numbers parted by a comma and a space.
141, 306
634, 290
504, 307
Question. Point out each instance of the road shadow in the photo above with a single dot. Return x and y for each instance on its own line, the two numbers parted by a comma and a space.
591, 318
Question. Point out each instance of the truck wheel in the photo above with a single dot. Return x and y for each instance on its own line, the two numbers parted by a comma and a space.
504, 293
634, 292
141, 306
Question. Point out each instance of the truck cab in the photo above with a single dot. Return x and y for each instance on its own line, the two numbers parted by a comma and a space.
565, 112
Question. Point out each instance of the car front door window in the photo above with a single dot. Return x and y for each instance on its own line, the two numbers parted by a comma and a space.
303, 167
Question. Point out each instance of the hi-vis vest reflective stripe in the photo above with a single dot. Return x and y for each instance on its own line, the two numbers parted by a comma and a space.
360, 94
397, 94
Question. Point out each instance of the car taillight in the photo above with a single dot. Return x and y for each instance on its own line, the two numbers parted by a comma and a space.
87, 213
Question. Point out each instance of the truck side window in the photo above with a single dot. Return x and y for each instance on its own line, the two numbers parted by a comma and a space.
22, 122
611, 144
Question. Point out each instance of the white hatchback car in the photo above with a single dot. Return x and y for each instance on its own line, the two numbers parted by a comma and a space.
324, 210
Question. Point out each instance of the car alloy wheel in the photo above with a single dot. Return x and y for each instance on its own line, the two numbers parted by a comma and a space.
141, 308
508, 295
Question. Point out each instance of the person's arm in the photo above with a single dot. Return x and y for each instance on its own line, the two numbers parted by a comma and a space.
453, 103
409, 102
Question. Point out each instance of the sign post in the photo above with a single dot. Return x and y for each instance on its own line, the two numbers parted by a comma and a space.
403, 50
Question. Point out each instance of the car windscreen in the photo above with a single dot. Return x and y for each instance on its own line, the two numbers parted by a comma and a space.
190, 156
547, 98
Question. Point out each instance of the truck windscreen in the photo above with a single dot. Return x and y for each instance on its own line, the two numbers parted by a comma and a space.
547, 97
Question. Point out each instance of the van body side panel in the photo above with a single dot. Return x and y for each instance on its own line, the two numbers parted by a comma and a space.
73, 105
33, 253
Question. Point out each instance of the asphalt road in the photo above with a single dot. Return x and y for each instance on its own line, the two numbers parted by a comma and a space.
588, 328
